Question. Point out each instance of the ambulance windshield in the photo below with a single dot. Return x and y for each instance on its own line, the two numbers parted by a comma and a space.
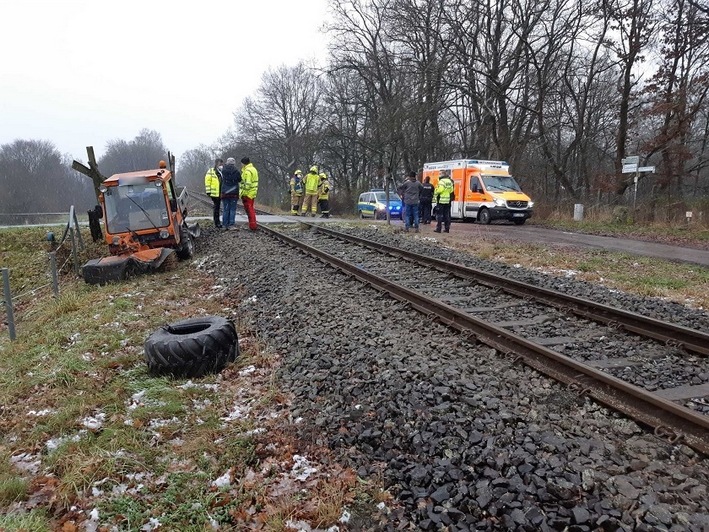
500, 183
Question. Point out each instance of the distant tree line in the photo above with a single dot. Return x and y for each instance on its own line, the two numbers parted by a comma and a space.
563, 90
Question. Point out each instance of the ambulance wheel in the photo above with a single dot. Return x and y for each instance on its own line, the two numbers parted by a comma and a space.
361, 215
484, 217
192, 347
520, 222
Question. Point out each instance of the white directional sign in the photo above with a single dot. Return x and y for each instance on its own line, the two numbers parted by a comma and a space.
646, 169
635, 159
630, 168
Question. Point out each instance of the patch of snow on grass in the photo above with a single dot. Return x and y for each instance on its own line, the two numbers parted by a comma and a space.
237, 412
301, 469
26, 462
40, 413
345, 517
224, 481
247, 371
152, 524
94, 423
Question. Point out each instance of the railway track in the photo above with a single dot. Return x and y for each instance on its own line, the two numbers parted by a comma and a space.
591, 347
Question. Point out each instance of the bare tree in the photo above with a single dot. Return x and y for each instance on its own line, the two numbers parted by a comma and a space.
144, 151
35, 177
635, 23
280, 125
678, 91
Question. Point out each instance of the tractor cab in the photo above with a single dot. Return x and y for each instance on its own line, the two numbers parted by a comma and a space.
143, 223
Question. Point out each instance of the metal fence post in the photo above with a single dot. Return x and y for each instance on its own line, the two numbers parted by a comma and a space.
53, 267
8, 302
74, 257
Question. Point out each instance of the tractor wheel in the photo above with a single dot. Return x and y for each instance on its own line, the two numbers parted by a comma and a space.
192, 347
186, 249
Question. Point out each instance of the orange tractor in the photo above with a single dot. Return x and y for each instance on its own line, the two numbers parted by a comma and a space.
144, 223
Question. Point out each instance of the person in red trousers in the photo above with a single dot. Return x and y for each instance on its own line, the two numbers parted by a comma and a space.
248, 189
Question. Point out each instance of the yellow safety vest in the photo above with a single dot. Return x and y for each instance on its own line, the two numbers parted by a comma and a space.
444, 189
211, 183
249, 181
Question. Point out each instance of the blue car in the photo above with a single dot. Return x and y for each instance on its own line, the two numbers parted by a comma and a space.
373, 204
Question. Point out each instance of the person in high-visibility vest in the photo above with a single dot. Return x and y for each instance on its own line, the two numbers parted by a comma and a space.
296, 192
248, 189
444, 195
312, 184
212, 186
324, 196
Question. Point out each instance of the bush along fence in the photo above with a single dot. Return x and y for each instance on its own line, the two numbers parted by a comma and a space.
70, 237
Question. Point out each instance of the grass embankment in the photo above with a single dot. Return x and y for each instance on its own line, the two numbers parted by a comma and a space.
691, 235
89, 438
645, 276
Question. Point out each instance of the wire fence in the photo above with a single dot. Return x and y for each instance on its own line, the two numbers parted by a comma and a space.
72, 241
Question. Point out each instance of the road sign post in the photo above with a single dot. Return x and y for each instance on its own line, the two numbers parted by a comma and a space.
630, 166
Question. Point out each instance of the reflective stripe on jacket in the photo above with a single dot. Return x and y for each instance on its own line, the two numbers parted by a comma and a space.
249, 181
211, 183
444, 189
312, 183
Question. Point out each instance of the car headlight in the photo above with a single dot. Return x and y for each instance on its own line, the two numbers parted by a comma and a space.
164, 234
499, 202
530, 204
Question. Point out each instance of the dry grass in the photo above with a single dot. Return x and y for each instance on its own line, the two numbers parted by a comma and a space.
156, 446
645, 276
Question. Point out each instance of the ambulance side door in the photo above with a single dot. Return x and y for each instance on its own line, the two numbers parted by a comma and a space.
475, 194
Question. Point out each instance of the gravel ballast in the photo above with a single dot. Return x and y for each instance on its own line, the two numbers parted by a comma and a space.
462, 436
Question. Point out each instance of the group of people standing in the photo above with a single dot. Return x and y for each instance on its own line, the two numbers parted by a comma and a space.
225, 184
418, 202
311, 192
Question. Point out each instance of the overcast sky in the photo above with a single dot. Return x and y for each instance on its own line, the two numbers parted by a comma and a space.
83, 72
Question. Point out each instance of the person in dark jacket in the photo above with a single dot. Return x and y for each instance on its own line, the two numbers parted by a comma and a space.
231, 177
410, 191
426, 201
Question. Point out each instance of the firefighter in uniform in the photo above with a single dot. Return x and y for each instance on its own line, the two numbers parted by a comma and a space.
444, 195
312, 183
212, 186
296, 192
324, 196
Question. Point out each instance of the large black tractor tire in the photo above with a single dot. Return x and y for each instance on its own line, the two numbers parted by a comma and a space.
192, 348
186, 249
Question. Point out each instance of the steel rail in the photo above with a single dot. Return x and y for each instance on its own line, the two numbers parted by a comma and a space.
669, 420
669, 333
